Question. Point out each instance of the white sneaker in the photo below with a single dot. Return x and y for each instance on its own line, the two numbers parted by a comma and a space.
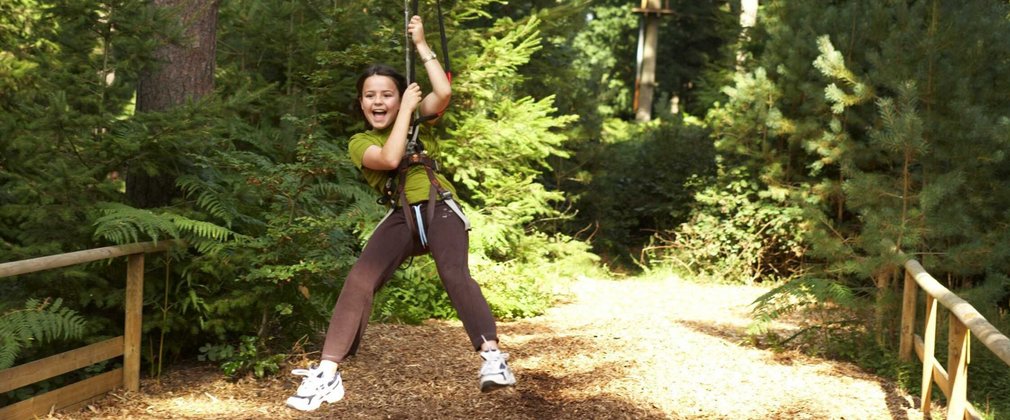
495, 373
315, 389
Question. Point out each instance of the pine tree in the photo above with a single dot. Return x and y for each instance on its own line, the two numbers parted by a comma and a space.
183, 73
899, 135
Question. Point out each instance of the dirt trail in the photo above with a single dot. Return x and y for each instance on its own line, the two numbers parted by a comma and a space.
617, 349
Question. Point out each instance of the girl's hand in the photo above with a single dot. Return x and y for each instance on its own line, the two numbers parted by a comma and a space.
416, 29
411, 98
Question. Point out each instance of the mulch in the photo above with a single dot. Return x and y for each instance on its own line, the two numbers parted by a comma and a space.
617, 349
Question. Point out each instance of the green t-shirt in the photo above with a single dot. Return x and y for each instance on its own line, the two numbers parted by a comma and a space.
417, 184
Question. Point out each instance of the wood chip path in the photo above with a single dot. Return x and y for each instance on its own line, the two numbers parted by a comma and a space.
616, 349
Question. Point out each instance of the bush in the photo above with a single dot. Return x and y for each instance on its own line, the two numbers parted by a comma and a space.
736, 234
646, 181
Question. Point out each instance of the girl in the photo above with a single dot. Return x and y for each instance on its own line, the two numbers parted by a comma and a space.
387, 104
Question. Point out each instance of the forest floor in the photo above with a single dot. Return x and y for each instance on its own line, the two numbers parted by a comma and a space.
643, 349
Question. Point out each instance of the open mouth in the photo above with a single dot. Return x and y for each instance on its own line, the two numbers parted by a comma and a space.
379, 115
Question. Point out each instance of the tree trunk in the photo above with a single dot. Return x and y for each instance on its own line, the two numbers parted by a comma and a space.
185, 72
647, 85
748, 13
748, 18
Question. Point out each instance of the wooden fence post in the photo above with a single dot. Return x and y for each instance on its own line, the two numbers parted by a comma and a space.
928, 352
958, 354
908, 301
134, 320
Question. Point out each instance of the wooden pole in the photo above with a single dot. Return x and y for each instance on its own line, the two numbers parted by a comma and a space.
748, 18
908, 302
50, 262
958, 353
134, 321
928, 352
647, 85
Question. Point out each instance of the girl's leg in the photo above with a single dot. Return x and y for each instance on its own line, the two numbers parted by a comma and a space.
386, 249
449, 244
389, 246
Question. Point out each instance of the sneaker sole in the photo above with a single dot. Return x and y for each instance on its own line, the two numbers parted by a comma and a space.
490, 386
334, 396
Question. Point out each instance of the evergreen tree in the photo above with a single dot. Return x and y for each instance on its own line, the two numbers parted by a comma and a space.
894, 141
183, 73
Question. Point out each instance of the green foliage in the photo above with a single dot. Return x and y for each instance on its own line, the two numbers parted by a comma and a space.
587, 62
799, 293
273, 211
874, 133
297, 222
124, 224
645, 181
413, 295
743, 228
249, 357
40, 322
528, 285
613, 162
497, 150
842, 126
736, 234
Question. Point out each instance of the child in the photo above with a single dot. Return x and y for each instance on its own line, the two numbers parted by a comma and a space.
430, 222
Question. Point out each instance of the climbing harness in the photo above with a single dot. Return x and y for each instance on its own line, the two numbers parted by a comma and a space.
394, 193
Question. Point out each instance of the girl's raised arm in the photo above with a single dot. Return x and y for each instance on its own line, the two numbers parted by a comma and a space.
435, 102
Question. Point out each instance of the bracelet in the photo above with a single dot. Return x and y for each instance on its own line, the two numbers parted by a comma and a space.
425, 60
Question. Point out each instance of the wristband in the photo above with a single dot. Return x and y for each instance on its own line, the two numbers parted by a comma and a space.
425, 60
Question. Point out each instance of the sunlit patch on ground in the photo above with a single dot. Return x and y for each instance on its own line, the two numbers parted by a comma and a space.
205, 405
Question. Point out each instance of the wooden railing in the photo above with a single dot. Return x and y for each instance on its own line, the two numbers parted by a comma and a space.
126, 345
964, 321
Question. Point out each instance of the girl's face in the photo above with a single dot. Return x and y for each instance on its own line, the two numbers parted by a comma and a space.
380, 101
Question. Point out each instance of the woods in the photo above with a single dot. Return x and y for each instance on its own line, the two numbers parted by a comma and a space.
814, 148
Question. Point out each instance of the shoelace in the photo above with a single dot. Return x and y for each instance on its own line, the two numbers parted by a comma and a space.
313, 377
493, 364
303, 372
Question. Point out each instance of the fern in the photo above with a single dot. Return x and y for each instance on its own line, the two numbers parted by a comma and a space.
124, 224
211, 198
797, 294
39, 322
199, 229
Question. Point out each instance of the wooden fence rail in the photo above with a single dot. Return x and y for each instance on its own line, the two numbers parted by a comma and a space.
964, 321
126, 345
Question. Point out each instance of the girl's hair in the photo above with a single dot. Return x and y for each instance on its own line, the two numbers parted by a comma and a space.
377, 70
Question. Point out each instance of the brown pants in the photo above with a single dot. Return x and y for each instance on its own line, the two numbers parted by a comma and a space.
389, 246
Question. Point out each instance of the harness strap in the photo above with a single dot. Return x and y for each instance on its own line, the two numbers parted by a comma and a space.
434, 193
455, 209
421, 234
436, 188
403, 201
445, 43
443, 193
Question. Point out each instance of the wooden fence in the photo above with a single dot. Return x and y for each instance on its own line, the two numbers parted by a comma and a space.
126, 345
964, 321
